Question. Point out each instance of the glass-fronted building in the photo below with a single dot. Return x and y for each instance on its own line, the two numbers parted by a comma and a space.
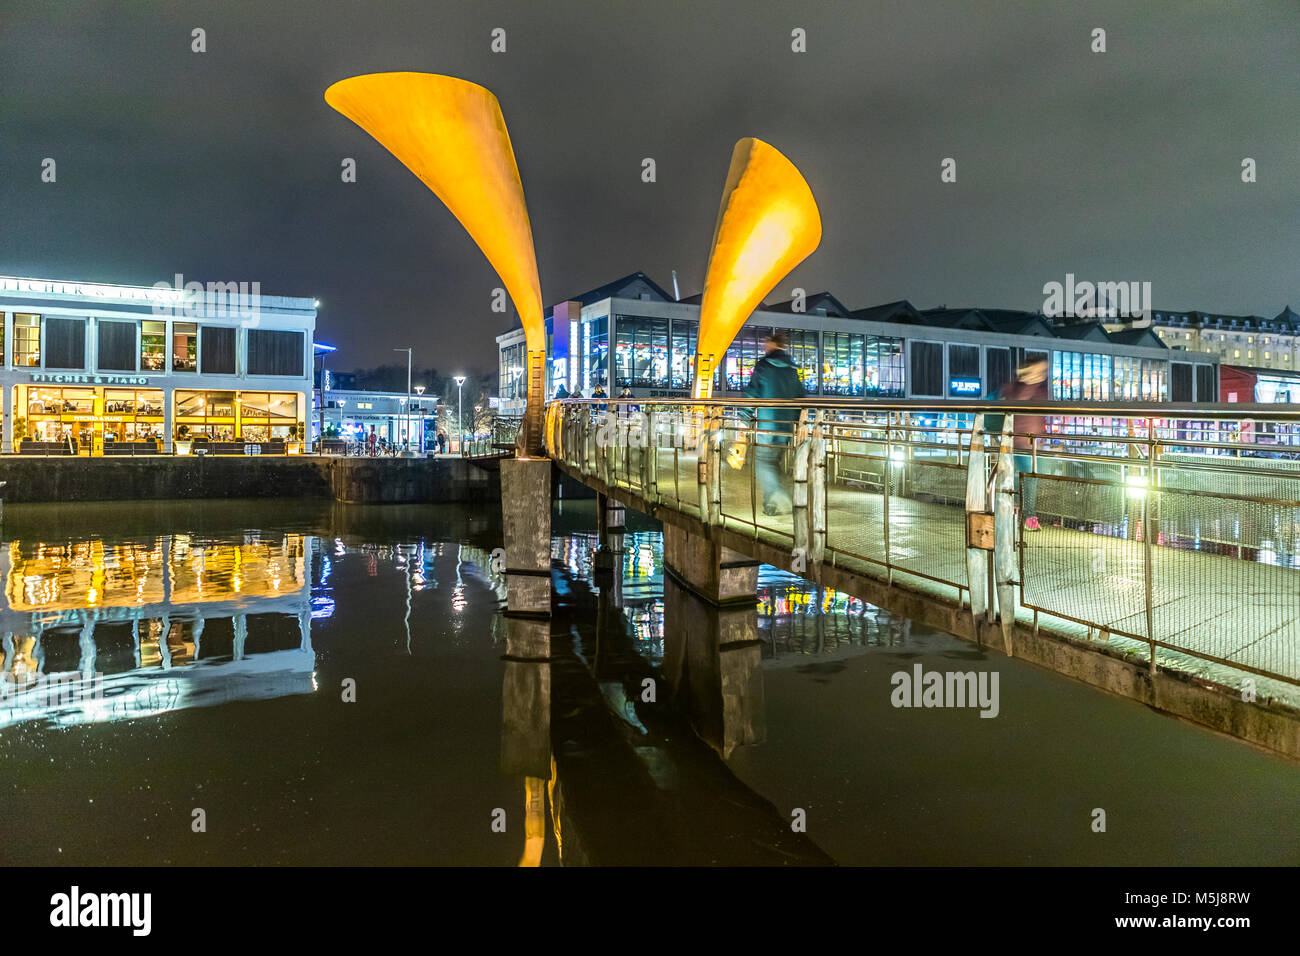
632, 334
92, 368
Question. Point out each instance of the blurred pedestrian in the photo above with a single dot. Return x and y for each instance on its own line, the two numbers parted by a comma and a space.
775, 376
1029, 385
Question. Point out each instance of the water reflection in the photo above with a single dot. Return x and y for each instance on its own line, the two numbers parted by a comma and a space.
682, 680
97, 630
794, 616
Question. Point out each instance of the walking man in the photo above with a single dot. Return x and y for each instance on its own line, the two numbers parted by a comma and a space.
775, 376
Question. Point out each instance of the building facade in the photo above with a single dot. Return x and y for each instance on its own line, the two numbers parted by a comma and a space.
352, 413
90, 365
1244, 340
631, 334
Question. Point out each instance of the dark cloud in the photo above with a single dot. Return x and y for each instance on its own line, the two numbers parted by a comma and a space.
225, 165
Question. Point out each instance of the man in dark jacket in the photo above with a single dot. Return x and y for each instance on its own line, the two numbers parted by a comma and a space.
775, 376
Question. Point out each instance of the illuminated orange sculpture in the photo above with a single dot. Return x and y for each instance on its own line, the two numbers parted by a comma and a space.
767, 224
451, 134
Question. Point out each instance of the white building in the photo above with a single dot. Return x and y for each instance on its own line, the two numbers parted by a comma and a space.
352, 413
89, 365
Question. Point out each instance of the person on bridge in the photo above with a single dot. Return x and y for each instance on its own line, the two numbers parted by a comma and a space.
1029, 385
561, 392
627, 408
775, 376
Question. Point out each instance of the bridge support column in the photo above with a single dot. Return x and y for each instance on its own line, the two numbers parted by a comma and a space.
716, 574
610, 516
712, 660
526, 510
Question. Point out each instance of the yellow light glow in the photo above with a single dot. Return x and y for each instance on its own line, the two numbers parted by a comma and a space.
451, 134
767, 224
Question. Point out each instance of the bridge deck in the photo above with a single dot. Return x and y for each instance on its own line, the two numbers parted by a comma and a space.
1243, 611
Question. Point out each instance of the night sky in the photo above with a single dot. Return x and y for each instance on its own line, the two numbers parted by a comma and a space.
225, 165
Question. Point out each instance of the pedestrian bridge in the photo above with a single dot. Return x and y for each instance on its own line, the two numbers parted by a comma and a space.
1167, 568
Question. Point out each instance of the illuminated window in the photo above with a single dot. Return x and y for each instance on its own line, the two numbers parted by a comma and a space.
185, 347
641, 351
153, 346
27, 340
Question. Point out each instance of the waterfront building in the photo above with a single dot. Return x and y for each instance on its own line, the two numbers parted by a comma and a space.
350, 413
632, 333
94, 368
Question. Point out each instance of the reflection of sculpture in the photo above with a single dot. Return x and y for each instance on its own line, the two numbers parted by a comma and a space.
767, 224
451, 134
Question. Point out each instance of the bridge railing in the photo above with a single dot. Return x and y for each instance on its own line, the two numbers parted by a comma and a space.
1173, 531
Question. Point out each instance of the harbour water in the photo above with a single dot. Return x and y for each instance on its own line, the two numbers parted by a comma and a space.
285, 682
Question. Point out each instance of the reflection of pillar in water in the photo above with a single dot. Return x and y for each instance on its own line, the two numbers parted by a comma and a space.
712, 659
526, 698
86, 643
526, 722
610, 522
610, 621
163, 647
241, 635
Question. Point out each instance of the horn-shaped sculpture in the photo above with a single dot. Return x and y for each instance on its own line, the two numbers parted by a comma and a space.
451, 134
767, 224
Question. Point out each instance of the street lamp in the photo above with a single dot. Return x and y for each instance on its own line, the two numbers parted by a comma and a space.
460, 429
406, 445
419, 390
343, 423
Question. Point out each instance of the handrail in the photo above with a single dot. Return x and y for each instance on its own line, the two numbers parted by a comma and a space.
1157, 410
1138, 516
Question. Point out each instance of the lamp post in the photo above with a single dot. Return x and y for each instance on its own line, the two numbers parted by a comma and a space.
320, 439
419, 390
460, 428
406, 444
343, 423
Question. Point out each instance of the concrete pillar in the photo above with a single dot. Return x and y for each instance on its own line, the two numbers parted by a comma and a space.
610, 516
717, 574
712, 660
526, 509
169, 414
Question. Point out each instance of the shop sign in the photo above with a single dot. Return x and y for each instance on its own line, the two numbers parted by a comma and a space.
82, 378
964, 386
86, 289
